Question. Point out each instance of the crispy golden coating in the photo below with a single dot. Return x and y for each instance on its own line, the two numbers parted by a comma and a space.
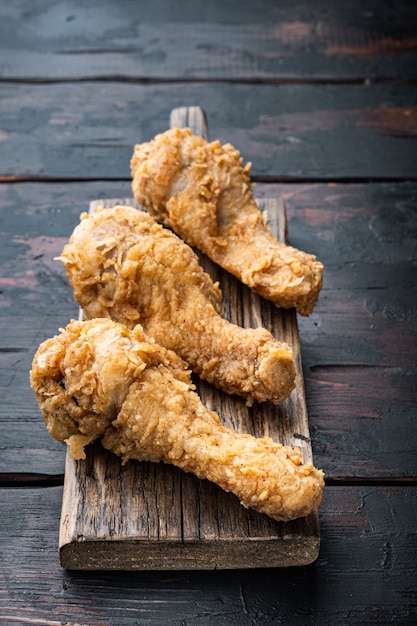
125, 266
97, 379
201, 190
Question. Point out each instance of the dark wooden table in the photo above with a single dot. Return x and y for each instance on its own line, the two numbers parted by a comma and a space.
321, 97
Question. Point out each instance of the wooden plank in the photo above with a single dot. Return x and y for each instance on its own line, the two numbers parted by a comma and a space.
365, 572
191, 117
358, 347
302, 41
177, 521
289, 132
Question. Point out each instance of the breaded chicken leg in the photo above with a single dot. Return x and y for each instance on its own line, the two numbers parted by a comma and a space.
125, 266
97, 379
201, 191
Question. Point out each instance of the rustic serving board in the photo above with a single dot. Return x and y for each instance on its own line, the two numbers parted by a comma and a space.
149, 516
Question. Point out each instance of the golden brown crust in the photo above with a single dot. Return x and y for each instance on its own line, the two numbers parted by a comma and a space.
201, 190
97, 379
125, 266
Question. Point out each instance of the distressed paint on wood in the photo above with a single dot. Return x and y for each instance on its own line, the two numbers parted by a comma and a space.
87, 130
265, 41
365, 570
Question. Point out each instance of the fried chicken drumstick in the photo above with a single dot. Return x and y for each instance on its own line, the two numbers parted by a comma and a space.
97, 379
203, 193
125, 266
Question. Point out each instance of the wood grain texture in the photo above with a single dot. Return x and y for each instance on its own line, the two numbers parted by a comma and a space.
358, 347
365, 572
146, 516
190, 117
233, 40
87, 130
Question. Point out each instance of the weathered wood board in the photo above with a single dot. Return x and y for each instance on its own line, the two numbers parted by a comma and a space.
275, 40
153, 516
290, 132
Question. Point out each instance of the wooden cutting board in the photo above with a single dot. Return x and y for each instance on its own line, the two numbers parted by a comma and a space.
147, 516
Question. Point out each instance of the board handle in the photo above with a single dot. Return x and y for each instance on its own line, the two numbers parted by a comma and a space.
192, 117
